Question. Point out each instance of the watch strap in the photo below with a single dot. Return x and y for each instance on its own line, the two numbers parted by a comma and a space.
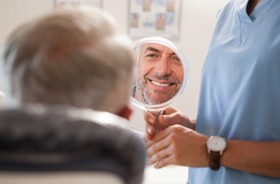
214, 160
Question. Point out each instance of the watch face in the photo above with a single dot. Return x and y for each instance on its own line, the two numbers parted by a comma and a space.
216, 143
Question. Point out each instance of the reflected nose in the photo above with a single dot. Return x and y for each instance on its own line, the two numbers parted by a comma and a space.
163, 67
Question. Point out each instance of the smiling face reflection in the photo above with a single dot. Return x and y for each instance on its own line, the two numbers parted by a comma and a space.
159, 75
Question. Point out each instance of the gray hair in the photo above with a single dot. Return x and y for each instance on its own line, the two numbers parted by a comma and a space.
70, 57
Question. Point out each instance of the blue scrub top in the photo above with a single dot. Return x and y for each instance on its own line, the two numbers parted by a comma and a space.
240, 87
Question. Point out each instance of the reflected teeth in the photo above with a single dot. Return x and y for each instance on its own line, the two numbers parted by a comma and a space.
160, 84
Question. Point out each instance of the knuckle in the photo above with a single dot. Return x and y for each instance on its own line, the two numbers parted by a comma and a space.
175, 129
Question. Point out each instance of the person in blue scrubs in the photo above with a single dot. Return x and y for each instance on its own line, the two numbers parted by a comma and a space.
239, 101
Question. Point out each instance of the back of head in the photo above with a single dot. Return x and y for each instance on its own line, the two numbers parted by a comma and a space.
70, 57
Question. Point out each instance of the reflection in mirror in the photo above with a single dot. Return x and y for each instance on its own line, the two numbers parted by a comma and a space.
160, 73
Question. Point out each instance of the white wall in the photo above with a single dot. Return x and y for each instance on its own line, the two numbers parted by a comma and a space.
197, 19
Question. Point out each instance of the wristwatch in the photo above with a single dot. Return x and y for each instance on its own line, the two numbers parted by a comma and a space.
215, 145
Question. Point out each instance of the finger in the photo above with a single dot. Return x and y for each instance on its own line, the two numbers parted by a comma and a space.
163, 162
150, 125
169, 110
158, 138
150, 131
162, 120
167, 116
149, 118
156, 146
167, 120
175, 118
157, 157
165, 158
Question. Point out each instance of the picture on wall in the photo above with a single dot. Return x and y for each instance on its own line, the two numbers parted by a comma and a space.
73, 3
154, 18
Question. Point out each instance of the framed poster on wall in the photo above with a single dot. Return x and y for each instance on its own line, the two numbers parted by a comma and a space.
70, 3
154, 18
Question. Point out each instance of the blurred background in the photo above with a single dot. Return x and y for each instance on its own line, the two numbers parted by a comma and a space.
196, 21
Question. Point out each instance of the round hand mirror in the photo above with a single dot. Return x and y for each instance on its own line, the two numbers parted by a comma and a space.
160, 75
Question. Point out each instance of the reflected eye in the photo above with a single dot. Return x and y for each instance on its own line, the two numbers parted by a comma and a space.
152, 56
174, 59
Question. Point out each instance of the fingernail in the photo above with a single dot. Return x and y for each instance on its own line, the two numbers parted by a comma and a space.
149, 130
157, 165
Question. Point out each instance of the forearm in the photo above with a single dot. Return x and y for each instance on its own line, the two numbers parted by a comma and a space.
254, 157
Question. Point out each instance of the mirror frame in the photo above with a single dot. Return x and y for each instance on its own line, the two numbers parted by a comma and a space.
172, 46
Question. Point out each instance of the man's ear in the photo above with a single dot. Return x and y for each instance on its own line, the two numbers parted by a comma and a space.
125, 112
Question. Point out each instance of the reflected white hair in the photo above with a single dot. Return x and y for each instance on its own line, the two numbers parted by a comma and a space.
69, 57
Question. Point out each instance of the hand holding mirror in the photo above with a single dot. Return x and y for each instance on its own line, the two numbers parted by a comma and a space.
160, 76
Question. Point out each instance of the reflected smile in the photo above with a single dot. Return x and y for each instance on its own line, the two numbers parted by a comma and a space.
161, 84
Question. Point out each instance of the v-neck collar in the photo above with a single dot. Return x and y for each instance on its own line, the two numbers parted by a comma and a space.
256, 13
245, 23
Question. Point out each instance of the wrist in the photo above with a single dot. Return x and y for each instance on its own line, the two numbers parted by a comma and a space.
215, 147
